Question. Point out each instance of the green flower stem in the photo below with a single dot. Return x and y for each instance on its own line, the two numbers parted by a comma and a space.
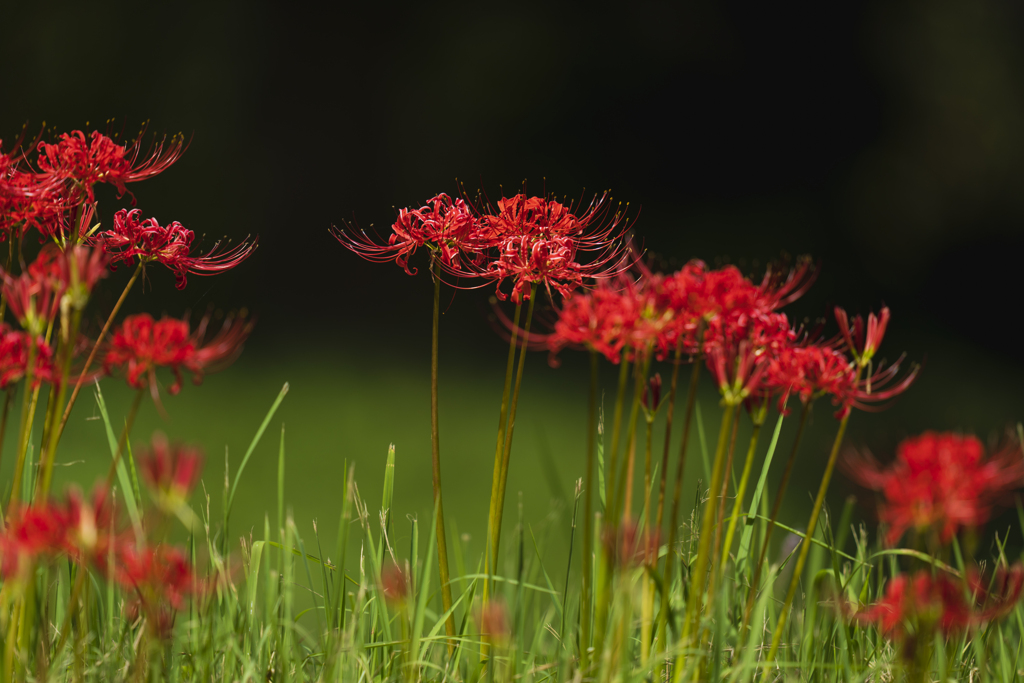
673, 520
776, 507
95, 350
668, 433
8, 397
613, 460
805, 545
435, 451
52, 431
757, 418
27, 413
699, 572
622, 504
510, 429
586, 596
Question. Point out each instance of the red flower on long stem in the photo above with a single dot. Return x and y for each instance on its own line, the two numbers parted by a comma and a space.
444, 225
141, 345
14, 358
160, 574
939, 481
171, 472
132, 237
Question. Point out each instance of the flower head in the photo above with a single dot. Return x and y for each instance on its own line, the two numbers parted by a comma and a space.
863, 340
170, 472
939, 481
132, 237
14, 358
160, 574
394, 583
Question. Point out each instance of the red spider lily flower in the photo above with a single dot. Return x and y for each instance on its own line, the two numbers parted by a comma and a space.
14, 356
651, 397
921, 599
444, 225
160, 574
810, 371
141, 345
492, 618
538, 241
996, 597
171, 245
170, 472
74, 270
101, 159
863, 342
90, 531
591, 319
627, 547
33, 299
939, 481
738, 371
32, 533
26, 199
394, 583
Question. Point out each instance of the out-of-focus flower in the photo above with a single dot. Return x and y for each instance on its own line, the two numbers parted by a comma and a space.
863, 341
33, 300
444, 225
14, 357
160, 574
492, 618
394, 583
939, 481
90, 531
170, 472
737, 370
627, 547
140, 345
32, 532
132, 237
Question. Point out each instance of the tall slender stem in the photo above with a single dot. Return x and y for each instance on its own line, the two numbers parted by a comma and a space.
27, 410
95, 350
757, 418
668, 433
805, 545
435, 452
623, 501
510, 429
613, 461
52, 433
8, 397
720, 521
776, 507
588, 521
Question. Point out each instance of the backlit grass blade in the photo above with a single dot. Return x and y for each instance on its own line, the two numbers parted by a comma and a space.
130, 502
252, 447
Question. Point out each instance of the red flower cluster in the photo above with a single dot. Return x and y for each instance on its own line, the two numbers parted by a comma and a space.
14, 358
942, 602
141, 345
132, 237
939, 481
529, 240
170, 472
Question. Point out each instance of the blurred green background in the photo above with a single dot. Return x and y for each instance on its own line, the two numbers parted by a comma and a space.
884, 138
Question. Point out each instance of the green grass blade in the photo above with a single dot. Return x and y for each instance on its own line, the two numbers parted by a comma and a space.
130, 502
252, 446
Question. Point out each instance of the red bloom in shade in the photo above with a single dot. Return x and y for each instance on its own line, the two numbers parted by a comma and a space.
33, 298
171, 245
101, 159
537, 240
863, 341
90, 530
395, 583
444, 225
26, 199
810, 371
160, 574
141, 345
738, 371
170, 472
492, 617
939, 481
14, 358
32, 533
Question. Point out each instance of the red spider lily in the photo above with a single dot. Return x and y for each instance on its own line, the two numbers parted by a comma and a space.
141, 345
626, 547
90, 531
74, 270
26, 199
14, 355
939, 481
738, 371
32, 533
160, 574
651, 397
863, 342
810, 371
394, 583
171, 472
132, 237
492, 618
537, 240
444, 225
101, 159
33, 298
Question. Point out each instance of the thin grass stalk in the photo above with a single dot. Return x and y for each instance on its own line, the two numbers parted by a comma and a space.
8, 397
613, 460
757, 419
510, 429
27, 407
650, 549
676, 362
136, 402
622, 504
805, 545
435, 451
52, 432
673, 521
699, 573
502, 421
720, 523
586, 595
776, 507
95, 350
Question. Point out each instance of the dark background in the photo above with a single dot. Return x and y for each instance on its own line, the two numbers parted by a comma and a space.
886, 139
